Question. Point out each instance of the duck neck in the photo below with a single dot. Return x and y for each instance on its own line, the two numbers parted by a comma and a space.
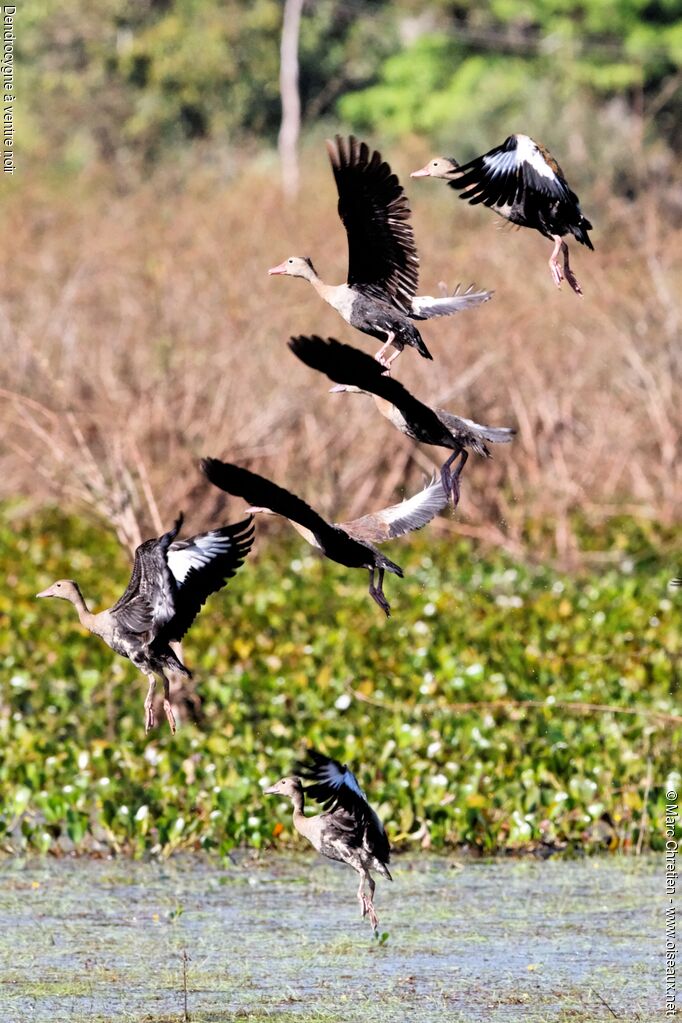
298, 800
86, 617
327, 292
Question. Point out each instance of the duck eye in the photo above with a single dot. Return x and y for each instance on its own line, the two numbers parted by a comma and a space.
290, 261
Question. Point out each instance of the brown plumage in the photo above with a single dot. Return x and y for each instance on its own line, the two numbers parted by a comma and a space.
349, 543
170, 582
379, 297
352, 370
349, 830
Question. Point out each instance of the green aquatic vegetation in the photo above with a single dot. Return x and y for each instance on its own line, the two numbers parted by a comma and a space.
502, 706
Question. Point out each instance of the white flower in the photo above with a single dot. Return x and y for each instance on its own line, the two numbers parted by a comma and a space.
123, 811
433, 748
152, 756
421, 628
474, 669
253, 822
142, 813
179, 824
104, 782
83, 759
439, 779
67, 789
343, 703
429, 609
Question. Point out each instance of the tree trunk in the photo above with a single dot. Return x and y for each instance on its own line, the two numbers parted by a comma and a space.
291, 100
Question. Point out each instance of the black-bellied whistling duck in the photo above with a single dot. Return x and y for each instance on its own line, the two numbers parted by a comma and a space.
352, 370
349, 543
349, 830
522, 182
171, 581
379, 297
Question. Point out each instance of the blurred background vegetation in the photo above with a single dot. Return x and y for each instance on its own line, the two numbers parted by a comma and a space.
128, 81
145, 333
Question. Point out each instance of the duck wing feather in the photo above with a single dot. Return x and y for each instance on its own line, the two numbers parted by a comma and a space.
201, 566
382, 255
335, 786
500, 176
261, 492
405, 517
148, 602
347, 365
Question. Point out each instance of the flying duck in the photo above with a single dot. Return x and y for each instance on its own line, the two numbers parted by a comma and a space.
522, 182
349, 830
349, 543
379, 297
171, 581
352, 370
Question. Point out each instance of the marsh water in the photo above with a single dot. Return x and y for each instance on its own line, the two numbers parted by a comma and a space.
281, 938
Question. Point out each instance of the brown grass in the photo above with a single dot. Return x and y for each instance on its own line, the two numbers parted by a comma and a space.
143, 332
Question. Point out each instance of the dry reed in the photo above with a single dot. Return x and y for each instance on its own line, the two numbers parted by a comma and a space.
142, 332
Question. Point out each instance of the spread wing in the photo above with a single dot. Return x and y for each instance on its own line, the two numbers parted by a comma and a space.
201, 566
401, 518
261, 492
149, 599
347, 365
499, 177
382, 255
426, 307
335, 786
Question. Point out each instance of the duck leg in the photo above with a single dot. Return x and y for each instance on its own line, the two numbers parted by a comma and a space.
380, 357
377, 592
554, 267
367, 901
568, 273
168, 710
450, 480
149, 704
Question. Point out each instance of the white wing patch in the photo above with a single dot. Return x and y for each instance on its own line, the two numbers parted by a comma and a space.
526, 152
337, 779
196, 553
429, 307
502, 163
417, 510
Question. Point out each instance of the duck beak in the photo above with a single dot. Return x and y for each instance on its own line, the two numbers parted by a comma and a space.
45, 593
281, 269
255, 510
337, 389
271, 791
425, 172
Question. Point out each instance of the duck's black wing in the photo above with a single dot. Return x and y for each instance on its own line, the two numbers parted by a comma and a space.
349, 366
382, 255
335, 786
500, 176
149, 599
201, 566
261, 492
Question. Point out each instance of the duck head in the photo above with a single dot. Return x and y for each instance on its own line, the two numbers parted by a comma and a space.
66, 589
290, 788
440, 167
295, 266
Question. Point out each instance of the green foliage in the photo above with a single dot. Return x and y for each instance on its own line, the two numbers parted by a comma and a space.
118, 80
507, 63
439, 734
